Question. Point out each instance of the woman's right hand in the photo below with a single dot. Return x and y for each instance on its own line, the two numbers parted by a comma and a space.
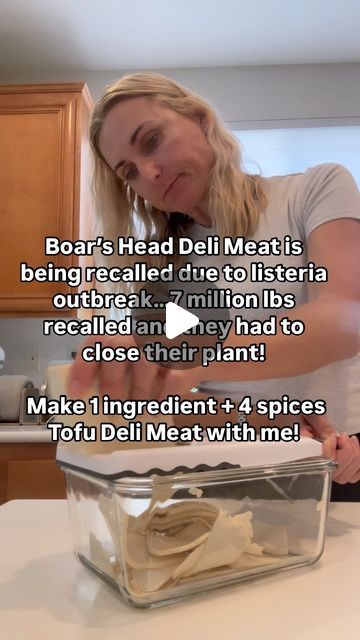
140, 379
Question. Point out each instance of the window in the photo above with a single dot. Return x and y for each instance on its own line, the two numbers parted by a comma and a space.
279, 151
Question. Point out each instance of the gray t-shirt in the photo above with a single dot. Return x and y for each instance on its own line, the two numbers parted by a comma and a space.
297, 204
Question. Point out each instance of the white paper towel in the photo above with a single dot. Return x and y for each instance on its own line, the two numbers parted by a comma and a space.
11, 387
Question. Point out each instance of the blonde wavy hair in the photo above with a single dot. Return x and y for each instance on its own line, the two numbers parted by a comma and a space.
236, 199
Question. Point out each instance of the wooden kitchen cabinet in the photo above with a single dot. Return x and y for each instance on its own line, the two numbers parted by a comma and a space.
44, 187
29, 470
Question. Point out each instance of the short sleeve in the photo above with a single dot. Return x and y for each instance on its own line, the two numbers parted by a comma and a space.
329, 192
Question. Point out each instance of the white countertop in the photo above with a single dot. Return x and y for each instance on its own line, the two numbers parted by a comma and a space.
24, 433
46, 593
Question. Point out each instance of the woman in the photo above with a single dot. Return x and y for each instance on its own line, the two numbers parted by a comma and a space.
161, 151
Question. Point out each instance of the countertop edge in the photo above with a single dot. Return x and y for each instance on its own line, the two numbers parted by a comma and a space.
15, 433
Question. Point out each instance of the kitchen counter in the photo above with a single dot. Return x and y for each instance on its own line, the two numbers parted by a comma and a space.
24, 433
45, 592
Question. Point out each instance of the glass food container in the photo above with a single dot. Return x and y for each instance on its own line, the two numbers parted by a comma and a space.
163, 523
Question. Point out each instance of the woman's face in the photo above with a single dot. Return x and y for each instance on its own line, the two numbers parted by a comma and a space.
164, 156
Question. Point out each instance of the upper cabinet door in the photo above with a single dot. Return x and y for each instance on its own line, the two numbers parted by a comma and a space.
44, 187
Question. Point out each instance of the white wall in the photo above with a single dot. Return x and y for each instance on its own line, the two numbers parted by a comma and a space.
246, 93
239, 94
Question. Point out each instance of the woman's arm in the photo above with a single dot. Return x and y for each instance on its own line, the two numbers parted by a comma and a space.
331, 317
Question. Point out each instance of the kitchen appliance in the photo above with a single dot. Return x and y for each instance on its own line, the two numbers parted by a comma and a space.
13, 392
2, 357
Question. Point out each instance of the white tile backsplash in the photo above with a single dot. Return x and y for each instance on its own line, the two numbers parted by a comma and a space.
22, 338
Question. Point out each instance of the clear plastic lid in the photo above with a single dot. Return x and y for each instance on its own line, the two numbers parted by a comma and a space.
187, 459
114, 459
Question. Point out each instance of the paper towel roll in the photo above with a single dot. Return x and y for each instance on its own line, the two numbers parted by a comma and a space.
11, 387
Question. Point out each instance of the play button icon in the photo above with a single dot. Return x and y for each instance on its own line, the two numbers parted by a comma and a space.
178, 320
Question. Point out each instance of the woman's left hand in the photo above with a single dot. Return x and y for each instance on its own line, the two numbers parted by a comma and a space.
319, 427
344, 449
348, 459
